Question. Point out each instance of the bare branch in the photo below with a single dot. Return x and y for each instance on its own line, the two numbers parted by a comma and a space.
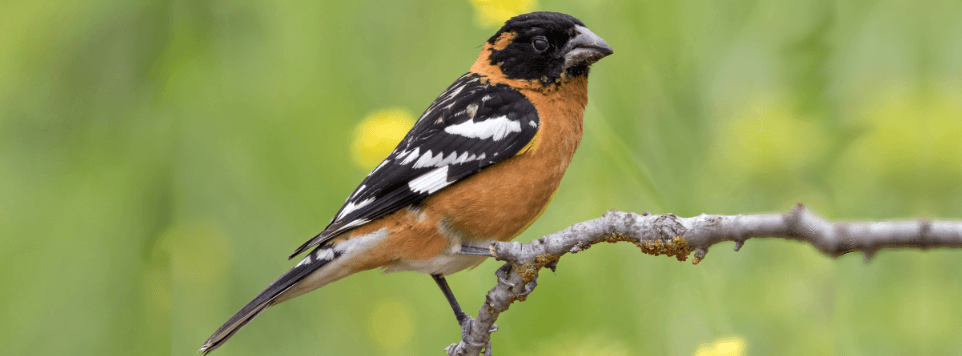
673, 236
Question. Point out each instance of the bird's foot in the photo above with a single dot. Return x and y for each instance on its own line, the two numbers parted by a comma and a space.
502, 274
466, 329
528, 288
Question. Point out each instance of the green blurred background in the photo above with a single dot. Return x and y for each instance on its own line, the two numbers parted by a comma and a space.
160, 159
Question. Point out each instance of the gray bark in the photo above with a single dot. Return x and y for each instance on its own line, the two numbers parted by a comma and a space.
678, 237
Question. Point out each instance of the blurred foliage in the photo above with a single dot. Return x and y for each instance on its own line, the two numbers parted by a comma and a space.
729, 346
160, 158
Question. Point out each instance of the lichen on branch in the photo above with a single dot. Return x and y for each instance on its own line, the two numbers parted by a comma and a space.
677, 237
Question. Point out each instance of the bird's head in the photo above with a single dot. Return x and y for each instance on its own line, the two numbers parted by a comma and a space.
543, 46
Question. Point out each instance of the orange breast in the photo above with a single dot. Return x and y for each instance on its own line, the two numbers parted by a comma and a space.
504, 199
500, 201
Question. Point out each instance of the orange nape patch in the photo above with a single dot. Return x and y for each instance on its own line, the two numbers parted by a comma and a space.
504, 40
492, 74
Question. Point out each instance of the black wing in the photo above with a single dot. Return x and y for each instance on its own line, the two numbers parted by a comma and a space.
472, 125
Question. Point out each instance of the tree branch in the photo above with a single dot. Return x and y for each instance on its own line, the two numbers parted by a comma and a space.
673, 236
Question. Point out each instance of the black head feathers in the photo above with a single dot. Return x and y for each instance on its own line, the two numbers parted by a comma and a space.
543, 45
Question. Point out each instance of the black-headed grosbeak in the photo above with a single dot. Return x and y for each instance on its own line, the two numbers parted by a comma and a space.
480, 165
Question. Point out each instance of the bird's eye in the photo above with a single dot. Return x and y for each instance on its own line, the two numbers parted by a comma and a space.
540, 43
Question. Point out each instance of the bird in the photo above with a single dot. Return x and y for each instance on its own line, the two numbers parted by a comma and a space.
480, 165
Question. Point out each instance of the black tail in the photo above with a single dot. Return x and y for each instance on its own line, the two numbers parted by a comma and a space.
267, 297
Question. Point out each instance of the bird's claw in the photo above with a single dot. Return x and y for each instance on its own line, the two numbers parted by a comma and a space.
502, 274
469, 340
466, 333
528, 288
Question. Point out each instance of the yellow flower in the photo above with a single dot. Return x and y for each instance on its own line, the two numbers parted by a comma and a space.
729, 346
493, 13
377, 135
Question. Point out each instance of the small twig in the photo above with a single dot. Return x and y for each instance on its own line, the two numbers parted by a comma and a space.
673, 236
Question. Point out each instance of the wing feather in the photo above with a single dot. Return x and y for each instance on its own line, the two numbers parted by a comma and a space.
470, 126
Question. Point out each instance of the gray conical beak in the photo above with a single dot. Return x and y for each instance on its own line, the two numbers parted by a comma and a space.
585, 48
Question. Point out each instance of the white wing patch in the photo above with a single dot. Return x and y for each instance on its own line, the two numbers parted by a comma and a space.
307, 259
495, 128
411, 155
325, 256
463, 157
451, 158
455, 92
471, 110
353, 224
361, 188
430, 160
430, 182
349, 207
427, 160
384, 162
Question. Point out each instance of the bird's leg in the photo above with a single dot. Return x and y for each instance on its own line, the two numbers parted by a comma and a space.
443, 283
475, 250
463, 319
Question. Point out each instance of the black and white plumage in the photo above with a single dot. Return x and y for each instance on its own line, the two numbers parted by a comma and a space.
472, 125
469, 129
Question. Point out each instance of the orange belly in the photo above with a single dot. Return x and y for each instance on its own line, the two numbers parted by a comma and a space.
498, 203
504, 199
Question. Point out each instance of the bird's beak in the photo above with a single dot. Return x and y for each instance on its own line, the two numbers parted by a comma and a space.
585, 48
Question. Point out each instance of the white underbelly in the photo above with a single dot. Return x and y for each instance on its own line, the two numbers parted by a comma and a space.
446, 263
